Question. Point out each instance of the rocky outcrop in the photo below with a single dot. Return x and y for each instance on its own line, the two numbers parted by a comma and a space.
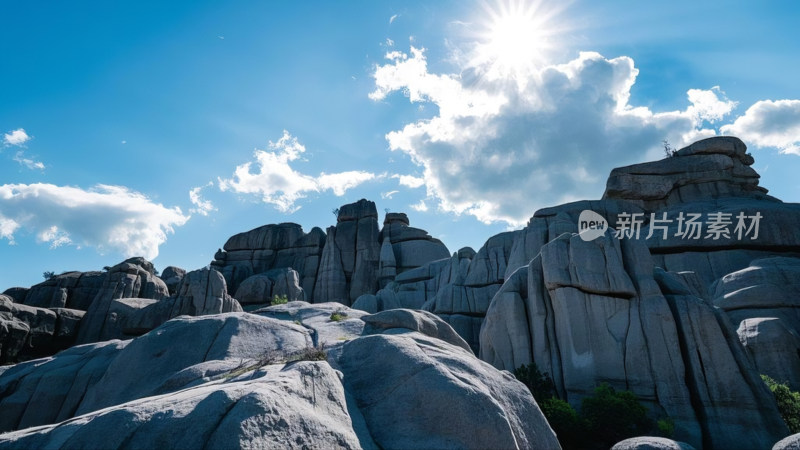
788, 443
597, 311
463, 299
420, 321
74, 290
17, 294
133, 278
300, 406
351, 257
763, 301
28, 332
410, 389
172, 277
411, 247
269, 247
651, 443
330, 324
262, 288
203, 292
243, 383
710, 168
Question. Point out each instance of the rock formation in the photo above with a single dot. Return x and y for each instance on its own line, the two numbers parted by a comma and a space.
271, 247
241, 384
74, 290
355, 257
262, 288
133, 278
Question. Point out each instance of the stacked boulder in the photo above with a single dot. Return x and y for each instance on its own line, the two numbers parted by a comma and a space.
270, 247
590, 309
355, 257
258, 380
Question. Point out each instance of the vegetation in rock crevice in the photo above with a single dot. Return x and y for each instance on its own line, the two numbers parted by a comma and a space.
788, 403
605, 418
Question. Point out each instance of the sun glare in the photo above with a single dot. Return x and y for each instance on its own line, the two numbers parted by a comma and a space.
516, 38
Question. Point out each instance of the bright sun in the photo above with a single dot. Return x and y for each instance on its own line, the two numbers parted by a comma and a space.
516, 39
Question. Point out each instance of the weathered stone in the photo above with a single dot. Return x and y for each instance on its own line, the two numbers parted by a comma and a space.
421, 321
231, 336
399, 218
415, 381
203, 292
74, 290
172, 277
262, 288
319, 319
677, 354
387, 267
331, 281
13, 337
301, 406
17, 294
651, 443
133, 278
774, 348
270, 247
49, 390
788, 443
712, 168
41, 321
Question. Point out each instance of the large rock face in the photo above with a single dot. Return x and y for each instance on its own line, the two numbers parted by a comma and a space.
763, 301
262, 288
241, 381
29, 332
350, 260
353, 258
74, 290
133, 278
271, 247
711, 168
592, 311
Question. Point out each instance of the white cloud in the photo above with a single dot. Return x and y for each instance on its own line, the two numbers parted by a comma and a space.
388, 195
499, 148
420, 206
279, 184
202, 206
54, 236
393, 18
410, 181
109, 218
27, 162
770, 123
7, 229
707, 105
16, 137
339, 183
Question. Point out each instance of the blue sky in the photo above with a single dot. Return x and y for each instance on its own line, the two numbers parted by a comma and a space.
163, 128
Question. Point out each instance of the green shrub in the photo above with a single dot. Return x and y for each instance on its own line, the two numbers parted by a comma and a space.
316, 353
788, 403
540, 384
569, 426
279, 300
666, 428
605, 418
338, 316
614, 416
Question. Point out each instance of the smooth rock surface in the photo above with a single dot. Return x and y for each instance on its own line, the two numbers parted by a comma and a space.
651, 443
